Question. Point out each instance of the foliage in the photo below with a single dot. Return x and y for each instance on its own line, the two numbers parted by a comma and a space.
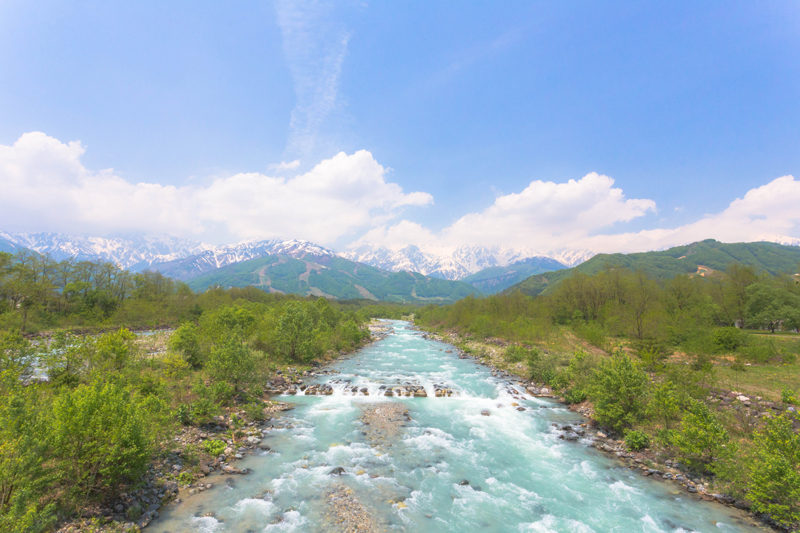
186, 341
774, 487
231, 363
214, 447
701, 438
636, 440
101, 438
617, 390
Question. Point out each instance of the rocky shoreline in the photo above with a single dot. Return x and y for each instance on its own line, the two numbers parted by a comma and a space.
643, 462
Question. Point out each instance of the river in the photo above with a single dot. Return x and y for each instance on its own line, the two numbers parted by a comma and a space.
468, 462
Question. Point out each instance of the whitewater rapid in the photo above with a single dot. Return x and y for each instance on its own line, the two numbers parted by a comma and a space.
473, 461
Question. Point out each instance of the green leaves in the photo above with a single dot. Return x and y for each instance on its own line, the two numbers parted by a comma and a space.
101, 437
775, 472
701, 438
618, 389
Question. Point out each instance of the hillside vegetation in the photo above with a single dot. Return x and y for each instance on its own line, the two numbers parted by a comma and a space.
664, 367
764, 256
333, 277
82, 441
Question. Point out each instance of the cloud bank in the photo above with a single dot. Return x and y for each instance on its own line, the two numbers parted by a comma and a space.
45, 187
347, 201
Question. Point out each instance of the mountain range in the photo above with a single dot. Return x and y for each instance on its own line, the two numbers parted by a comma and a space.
700, 258
408, 273
185, 259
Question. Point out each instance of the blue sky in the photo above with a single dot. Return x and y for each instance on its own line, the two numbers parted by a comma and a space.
461, 107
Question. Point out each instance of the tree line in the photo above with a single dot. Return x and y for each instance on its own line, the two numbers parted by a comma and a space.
83, 416
652, 380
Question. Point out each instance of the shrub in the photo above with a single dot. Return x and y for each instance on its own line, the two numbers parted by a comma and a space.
214, 447
185, 478
729, 339
636, 440
186, 341
788, 397
619, 391
515, 353
232, 363
701, 438
100, 438
774, 486
572, 396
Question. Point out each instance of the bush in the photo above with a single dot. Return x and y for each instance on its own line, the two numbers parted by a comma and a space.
774, 488
101, 438
788, 397
572, 396
232, 363
515, 353
214, 447
701, 438
728, 339
619, 391
186, 341
636, 440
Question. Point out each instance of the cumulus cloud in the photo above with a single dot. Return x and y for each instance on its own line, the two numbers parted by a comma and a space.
46, 187
578, 215
543, 216
765, 213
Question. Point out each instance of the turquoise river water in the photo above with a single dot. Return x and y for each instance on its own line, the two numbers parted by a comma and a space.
521, 476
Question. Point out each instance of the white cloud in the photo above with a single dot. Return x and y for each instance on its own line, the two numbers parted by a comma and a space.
46, 187
284, 166
766, 213
552, 218
315, 47
544, 216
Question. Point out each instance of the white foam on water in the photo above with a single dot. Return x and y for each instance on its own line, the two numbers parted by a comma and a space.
622, 491
432, 439
544, 525
205, 524
290, 521
649, 525
254, 508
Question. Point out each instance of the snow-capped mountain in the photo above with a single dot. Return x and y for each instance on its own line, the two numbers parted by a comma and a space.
457, 265
154, 251
185, 259
134, 253
211, 259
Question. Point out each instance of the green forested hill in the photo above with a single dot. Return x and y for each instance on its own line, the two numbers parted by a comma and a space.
495, 279
766, 256
333, 277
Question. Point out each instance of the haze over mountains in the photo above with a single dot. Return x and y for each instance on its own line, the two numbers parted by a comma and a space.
185, 259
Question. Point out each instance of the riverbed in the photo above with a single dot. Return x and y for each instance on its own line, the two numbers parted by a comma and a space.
487, 458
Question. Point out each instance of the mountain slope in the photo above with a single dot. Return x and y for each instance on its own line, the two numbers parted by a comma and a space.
495, 279
187, 268
461, 263
332, 276
767, 256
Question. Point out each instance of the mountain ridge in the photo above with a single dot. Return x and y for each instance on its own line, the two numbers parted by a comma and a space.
771, 257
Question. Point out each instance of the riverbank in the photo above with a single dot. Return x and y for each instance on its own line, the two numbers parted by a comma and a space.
199, 455
647, 463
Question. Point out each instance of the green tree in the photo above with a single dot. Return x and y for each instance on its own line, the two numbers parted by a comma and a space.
664, 404
101, 437
232, 363
186, 341
619, 389
774, 486
293, 332
701, 438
